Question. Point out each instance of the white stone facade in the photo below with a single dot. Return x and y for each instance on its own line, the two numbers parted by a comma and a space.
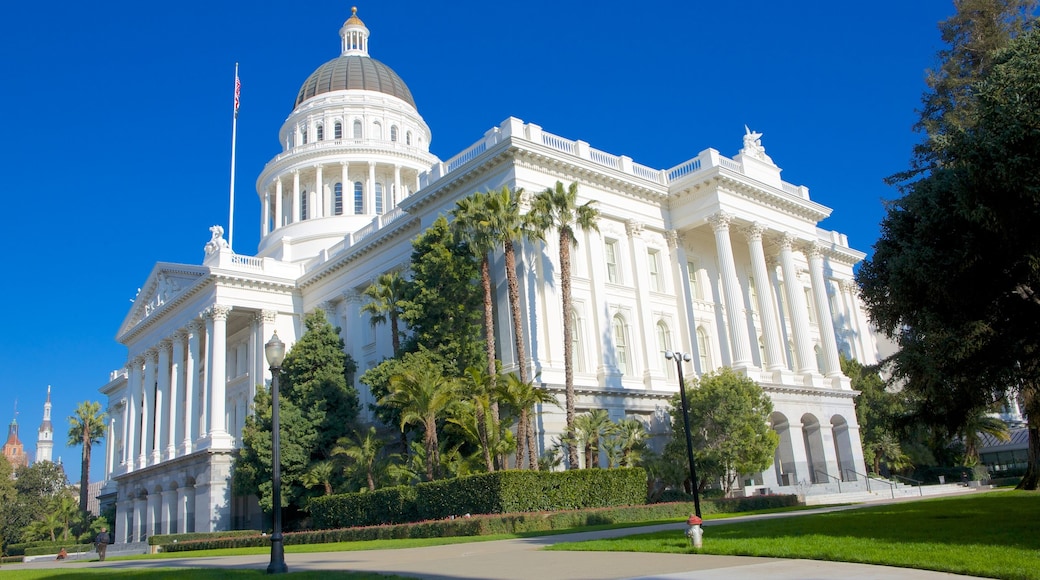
717, 257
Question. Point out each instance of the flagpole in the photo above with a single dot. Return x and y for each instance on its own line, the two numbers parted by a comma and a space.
234, 137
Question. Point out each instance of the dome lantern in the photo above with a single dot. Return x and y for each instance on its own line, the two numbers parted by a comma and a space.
355, 35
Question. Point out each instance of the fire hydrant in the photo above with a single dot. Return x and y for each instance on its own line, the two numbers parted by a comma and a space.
694, 532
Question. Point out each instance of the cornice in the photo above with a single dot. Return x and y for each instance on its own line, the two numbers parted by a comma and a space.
353, 253
810, 391
332, 155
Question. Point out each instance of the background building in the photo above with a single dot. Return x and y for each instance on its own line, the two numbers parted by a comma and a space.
716, 256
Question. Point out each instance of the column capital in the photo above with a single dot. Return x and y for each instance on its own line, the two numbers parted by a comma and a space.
179, 335
217, 312
267, 316
849, 286
754, 232
151, 354
813, 250
787, 241
351, 296
329, 308
165, 345
674, 238
633, 228
137, 362
720, 221
193, 327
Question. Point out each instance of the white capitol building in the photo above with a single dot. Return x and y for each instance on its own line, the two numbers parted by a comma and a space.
716, 256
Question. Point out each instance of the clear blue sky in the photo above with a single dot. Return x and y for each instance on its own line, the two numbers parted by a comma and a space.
117, 126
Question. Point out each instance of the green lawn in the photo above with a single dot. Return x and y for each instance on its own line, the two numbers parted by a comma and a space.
993, 535
181, 574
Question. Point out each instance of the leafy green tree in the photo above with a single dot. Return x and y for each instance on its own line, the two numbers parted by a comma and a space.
35, 487
86, 428
318, 405
729, 416
879, 413
423, 395
384, 304
442, 305
954, 276
557, 209
522, 397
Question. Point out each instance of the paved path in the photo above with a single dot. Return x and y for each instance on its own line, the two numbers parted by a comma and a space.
523, 559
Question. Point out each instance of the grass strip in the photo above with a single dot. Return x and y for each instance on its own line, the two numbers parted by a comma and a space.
992, 535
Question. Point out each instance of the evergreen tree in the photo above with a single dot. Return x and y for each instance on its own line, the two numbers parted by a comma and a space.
318, 405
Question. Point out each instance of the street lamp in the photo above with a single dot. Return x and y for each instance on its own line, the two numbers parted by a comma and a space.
274, 350
679, 358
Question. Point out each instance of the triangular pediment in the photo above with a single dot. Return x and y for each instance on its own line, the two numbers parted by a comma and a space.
164, 285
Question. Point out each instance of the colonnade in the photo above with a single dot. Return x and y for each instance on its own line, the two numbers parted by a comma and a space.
316, 186
166, 511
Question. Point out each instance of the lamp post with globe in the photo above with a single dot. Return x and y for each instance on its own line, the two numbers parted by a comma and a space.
274, 350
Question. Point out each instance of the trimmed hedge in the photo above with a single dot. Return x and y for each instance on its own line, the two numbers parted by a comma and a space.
24, 548
160, 539
485, 493
483, 525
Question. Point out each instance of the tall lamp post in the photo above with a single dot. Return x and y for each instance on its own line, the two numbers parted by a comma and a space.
679, 358
274, 350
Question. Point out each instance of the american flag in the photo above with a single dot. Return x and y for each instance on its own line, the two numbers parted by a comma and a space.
238, 89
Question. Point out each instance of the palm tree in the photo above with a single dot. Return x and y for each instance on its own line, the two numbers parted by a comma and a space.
522, 396
977, 423
557, 209
480, 229
86, 428
505, 204
384, 304
476, 385
629, 437
319, 473
364, 449
589, 428
423, 395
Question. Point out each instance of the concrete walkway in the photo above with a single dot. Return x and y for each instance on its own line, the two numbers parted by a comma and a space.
523, 559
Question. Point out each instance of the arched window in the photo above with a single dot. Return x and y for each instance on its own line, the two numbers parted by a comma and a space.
337, 202
704, 349
357, 129
620, 344
303, 134
337, 130
664, 344
359, 198
379, 198
319, 132
377, 130
577, 352
408, 138
393, 133
303, 205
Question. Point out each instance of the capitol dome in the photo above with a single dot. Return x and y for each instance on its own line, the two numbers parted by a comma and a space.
354, 72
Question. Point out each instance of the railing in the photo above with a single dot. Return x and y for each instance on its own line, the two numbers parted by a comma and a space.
688, 167
604, 158
825, 474
730, 164
912, 481
457, 161
648, 173
247, 261
558, 143
867, 478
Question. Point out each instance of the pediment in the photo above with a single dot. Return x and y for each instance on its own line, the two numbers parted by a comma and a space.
164, 285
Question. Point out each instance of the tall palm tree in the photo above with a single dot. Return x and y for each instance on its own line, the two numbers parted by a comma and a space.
423, 395
384, 303
505, 204
522, 396
86, 428
364, 449
558, 209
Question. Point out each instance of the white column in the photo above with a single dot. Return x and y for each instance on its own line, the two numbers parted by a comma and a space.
823, 311
162, 400
397, 186
645, 342
147, 421
295, 196
265, 328
265, 219
731, 290
133, 389
279, 203
123, 523
139, 521
191, 388
174, 418
152, 513
218, 377
682, 284
110, 447
319, 193
766, 305
348, 190
181, 510
370, 189
796, 305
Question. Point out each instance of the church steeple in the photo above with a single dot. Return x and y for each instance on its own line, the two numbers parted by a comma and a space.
45, 441
355, 35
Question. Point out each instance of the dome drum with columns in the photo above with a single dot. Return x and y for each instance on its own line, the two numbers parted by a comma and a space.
717, 257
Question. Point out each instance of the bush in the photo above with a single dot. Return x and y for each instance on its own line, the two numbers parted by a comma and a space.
53, 549
160, 539
483, 525
486, 493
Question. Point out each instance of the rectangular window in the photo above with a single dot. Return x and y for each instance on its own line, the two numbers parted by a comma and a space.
654, 264
695, 289
613, 272
809, 306
303, 205
752, 294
